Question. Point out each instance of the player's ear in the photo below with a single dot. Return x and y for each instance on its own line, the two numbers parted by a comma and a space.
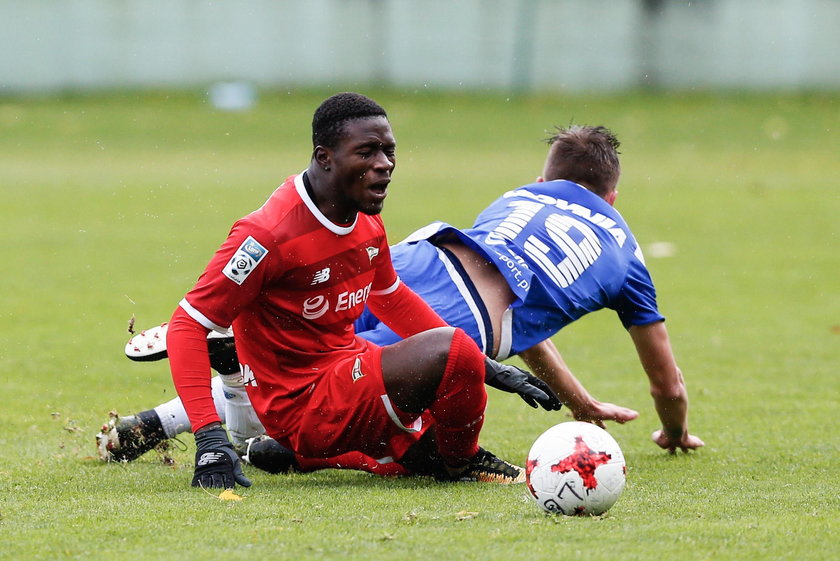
611, 196
322, 157
540, 179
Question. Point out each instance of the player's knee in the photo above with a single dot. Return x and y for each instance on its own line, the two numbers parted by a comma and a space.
464, 345
441, 335
437, 346
465, 361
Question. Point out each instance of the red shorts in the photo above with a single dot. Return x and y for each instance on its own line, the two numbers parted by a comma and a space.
348, 410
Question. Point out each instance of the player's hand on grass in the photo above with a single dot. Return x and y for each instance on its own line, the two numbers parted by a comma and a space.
216, 464
684, 442
511, 379
596, 413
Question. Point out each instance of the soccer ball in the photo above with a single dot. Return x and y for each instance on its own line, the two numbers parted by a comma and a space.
575, 469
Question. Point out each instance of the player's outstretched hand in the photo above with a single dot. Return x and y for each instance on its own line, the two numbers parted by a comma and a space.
511, 379
685, 443
216, 464
597, 412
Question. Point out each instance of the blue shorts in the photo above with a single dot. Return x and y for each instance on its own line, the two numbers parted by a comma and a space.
439, 278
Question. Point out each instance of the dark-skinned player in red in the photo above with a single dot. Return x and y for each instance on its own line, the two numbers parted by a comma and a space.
292, 277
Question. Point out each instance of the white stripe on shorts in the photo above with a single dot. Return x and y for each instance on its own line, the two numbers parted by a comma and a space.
415, 426
468, 298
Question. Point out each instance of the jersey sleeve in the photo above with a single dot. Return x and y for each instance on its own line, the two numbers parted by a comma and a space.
404, 311
233, 278
189, 362
636, 303
385, 278
399, 307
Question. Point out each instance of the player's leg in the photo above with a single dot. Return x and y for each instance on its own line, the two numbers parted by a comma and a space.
442, 371
435, 383
126, 438
265, 453
438, 370
240, 418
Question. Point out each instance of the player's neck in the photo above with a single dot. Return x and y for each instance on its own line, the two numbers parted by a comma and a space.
327, 206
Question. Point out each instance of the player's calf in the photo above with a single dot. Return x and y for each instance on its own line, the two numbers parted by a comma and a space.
460, 400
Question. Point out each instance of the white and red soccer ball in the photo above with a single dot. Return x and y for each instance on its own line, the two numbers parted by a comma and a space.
575, 468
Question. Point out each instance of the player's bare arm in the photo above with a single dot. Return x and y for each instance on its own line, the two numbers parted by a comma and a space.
667, 387
546, 362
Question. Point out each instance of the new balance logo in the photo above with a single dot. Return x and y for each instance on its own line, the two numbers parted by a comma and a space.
209, 458
321, 276
372, 252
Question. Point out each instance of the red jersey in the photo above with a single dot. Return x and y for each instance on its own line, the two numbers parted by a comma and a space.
291, 282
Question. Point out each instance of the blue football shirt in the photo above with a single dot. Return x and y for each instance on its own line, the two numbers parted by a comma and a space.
565, 252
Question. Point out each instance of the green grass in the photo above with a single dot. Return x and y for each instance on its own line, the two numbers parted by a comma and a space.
112, 205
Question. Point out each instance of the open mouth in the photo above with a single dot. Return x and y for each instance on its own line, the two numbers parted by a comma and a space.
379, 190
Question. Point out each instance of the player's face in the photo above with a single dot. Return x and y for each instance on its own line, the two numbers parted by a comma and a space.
362, 165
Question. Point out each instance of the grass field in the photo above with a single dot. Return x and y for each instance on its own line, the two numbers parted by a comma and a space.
112, 205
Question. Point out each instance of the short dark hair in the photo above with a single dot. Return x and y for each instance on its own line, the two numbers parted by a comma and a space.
331, 116
587, 155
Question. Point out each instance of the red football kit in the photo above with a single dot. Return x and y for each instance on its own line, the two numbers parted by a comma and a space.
291, 282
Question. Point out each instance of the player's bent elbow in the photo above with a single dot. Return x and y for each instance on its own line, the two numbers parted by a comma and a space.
668, 385
669, 392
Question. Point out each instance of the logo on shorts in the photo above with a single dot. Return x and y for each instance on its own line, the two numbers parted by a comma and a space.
357, 370
245, 260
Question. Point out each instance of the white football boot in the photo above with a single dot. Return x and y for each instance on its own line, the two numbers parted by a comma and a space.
150, 345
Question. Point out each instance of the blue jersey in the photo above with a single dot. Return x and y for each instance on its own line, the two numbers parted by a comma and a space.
563, 250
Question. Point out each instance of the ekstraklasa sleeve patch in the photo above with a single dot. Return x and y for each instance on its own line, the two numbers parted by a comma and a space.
245, 260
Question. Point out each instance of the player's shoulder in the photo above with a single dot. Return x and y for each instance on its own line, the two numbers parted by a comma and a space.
284, 198
283, 207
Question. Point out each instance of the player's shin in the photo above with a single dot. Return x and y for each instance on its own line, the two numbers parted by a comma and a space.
460, 401
174, 418
240, 417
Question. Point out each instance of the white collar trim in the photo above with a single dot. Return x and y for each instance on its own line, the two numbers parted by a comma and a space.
316, 212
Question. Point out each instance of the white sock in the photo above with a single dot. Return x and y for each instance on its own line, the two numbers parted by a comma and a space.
242, 422
217, 386
174, 418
